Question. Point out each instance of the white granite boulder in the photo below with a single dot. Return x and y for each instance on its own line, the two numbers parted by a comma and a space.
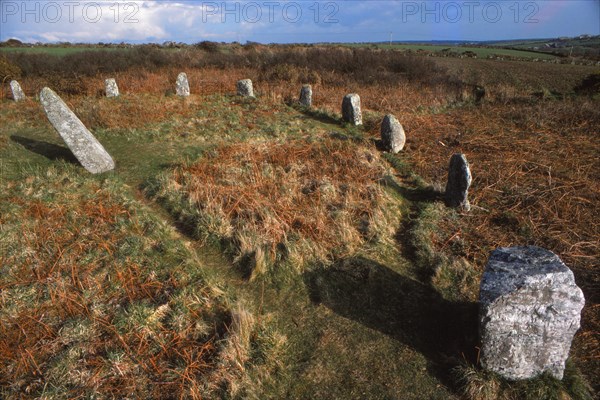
112, 90
244, 88
17, 92
306, 96
78, 138
182, 86
529, 311
351, 109
392, 134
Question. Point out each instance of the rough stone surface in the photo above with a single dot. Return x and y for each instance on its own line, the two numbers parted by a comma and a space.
112, 90
17, 92
244, 88
351, 109
529, 310
82, 143
182, 86
306, 96
459, 180
392, 134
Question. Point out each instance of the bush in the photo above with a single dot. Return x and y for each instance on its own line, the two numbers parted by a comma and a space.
94, 62
208, 46
590, 84
8, 71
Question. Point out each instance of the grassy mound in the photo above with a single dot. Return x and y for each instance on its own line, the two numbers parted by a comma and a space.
298, 201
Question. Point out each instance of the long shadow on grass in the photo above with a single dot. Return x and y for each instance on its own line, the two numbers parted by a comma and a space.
413, 193
49, 150
319, 115
404, 309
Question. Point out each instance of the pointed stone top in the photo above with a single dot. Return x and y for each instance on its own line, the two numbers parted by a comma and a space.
17, 92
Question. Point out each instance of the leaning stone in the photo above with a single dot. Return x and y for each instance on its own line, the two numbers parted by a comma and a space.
459, 180
82, 143
529, 311
17, 92
306, 96
112, 90
182, 86
351, 109
392, 134
244, 88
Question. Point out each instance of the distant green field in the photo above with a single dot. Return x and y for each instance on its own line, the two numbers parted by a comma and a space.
56, 51
482, 52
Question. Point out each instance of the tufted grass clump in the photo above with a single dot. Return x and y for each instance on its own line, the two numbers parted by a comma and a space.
295, 202
478, 384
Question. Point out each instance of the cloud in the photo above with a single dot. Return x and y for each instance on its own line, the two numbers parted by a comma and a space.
94, 21
222, 20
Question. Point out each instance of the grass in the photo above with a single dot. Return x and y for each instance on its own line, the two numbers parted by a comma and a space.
299, 201
98, 297
477, 384
56, 50
362, 266
481, 52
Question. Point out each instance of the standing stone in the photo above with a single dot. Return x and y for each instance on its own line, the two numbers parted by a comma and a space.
244, 88
112, 90
351, 109
182, 86
529, 311
306, 96
392, 134
82, 143
17, 92
459, 180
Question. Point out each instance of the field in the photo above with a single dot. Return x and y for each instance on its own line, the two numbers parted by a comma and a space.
54, 51
481, 52
252, 248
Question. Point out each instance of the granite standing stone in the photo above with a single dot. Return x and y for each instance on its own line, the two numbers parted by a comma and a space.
17, 92
351, 109
459, 180
183, 86
306, 96
529, 310
392, 134
244, 88
112, 90
82, 143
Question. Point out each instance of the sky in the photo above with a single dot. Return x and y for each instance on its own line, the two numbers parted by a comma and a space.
300, 21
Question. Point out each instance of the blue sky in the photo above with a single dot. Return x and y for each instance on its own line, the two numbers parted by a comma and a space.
272, 21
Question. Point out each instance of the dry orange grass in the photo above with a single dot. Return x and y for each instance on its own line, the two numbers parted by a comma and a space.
301, 199
85, 311
535, 163
536, 181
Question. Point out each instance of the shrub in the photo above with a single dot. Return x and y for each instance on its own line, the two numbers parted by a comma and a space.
8, 70
208, 46
590, 84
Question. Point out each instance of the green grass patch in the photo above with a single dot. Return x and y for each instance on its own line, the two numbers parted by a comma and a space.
55, 50
481, 52
478, 384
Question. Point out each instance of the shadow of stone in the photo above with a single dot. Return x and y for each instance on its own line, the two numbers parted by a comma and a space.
49, 150
415, 194
318, 115
409, 311
378, 143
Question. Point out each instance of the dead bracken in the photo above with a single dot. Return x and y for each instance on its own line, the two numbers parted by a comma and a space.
322, 196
